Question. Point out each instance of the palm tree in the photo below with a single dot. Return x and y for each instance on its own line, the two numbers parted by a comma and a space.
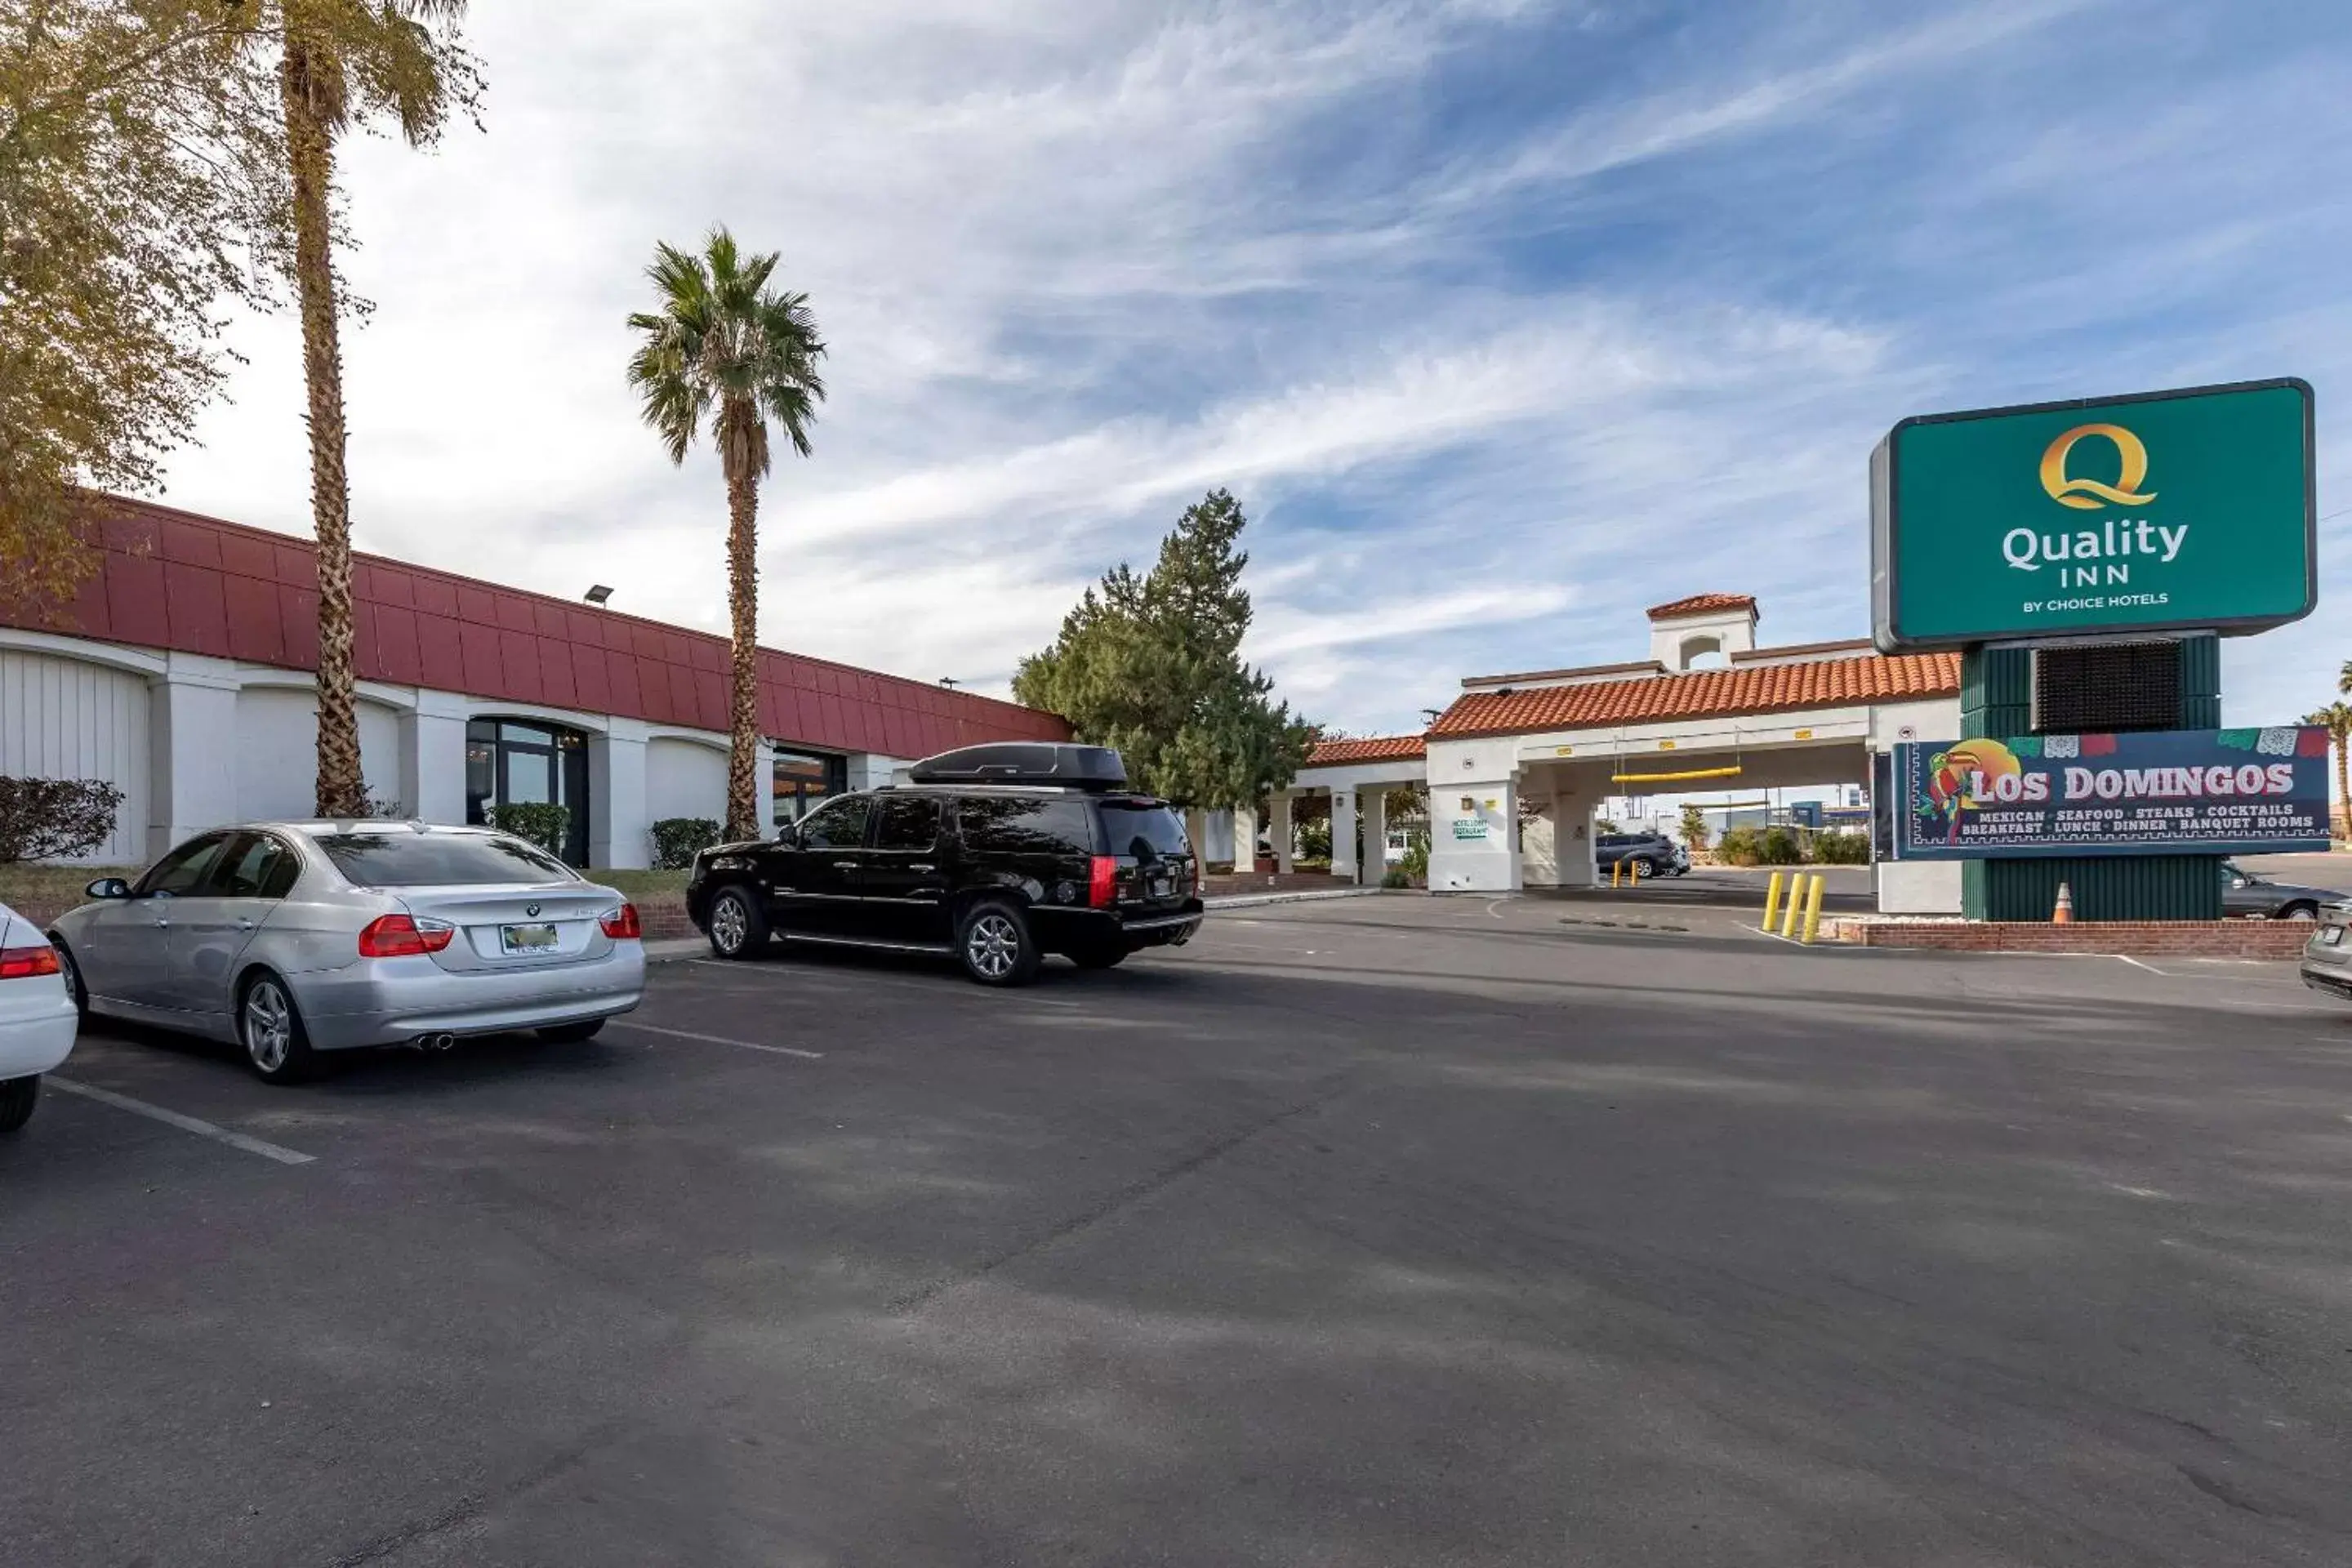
726, 349
2337, 720
342, 61
2344, 680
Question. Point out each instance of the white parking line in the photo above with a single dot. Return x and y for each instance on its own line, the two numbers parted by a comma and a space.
284, 1156
2136, 963
713, 1039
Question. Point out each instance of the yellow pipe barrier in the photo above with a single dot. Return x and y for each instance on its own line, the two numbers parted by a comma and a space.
1796, 903
1772, 901
1616, 871
1730, 772
1814, 908
1636, 874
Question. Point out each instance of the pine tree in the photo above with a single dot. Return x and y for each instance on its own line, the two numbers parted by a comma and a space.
1151, 666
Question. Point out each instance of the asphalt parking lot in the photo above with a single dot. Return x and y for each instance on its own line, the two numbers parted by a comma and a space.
1388, 1231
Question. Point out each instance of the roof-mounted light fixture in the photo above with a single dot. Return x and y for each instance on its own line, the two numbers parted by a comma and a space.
597, 595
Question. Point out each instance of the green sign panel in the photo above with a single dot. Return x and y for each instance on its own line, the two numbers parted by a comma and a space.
2167, 511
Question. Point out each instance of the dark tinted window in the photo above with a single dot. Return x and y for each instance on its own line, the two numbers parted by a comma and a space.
256, 867
839, 826
183, 871
908, 822
1025, 825
438, 859
1145, 832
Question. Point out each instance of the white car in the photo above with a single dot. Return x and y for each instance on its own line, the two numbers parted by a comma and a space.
37, 1018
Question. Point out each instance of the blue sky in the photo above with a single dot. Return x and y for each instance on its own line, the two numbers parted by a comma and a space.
1504, 319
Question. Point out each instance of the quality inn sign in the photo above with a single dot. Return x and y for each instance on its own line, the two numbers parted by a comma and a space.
2164, 510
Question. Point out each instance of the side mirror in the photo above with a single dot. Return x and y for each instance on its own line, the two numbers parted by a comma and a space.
109, 887
789, 833
2237, 881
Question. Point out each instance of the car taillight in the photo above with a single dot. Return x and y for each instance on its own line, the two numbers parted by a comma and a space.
398, 936
1102, 883
24, 963
623, 925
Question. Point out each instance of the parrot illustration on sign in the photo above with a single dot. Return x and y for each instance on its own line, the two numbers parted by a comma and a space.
1958, 776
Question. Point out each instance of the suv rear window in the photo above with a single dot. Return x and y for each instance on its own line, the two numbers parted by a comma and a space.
438, 859
1024, 824
1146, 832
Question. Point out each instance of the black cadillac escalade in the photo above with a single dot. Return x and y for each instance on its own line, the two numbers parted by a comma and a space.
998, 854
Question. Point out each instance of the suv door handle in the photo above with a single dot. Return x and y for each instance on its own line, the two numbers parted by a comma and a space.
244, 924
845, 865
922, 866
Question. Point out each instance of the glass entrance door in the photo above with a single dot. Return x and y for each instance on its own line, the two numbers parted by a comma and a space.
512, 763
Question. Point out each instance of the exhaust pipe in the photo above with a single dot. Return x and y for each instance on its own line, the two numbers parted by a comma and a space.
436, 1042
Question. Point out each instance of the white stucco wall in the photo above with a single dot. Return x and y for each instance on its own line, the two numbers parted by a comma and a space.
275, 752
685, 778
68, 718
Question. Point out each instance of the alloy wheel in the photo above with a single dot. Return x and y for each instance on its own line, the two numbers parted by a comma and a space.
269, 1025
729, 925
993, 945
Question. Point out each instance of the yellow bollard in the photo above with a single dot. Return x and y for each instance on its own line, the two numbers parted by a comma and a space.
1616, 869
1814, 908
1772, 902
1796, 904
1636, 874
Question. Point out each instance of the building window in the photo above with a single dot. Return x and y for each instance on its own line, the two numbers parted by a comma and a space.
511, 762
806, 779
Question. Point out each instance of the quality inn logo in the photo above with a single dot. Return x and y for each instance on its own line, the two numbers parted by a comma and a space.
2101, 557
2089, 495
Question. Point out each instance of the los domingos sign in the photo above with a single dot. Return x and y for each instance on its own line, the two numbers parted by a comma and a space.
2205, 791
2189, 511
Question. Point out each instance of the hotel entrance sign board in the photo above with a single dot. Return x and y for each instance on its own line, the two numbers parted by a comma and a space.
2188, 510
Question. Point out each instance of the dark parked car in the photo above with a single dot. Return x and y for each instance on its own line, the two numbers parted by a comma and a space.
2247, 897
1654, 853
998, 854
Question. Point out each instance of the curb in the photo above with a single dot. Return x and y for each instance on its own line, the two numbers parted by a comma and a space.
1318, 894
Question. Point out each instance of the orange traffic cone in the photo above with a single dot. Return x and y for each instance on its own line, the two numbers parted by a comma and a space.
2064, 913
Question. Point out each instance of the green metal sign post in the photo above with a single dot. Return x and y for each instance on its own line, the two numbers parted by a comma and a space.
2188, 510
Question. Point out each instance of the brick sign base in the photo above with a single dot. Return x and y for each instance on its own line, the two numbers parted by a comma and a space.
2276, 940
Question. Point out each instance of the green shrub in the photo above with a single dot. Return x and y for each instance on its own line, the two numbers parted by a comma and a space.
678, 838
1781, 847
1396, 878
1741, 847
1315, 839
1842, 849
535, 822
56, 820
1415, 865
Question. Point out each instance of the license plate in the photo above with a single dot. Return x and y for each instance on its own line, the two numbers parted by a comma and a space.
1160, 887
527, 939
2332, 937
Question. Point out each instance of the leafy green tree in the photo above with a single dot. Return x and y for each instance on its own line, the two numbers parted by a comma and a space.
727, 350
1150, 664
1694, 825
143, 180
2337, 720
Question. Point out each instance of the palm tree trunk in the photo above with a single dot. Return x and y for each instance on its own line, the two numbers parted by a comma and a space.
743, 603
2343, 783
309, 146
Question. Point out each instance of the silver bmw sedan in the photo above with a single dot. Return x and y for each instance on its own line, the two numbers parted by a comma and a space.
292, 938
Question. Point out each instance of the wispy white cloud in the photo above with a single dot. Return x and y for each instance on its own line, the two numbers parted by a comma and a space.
1504, 317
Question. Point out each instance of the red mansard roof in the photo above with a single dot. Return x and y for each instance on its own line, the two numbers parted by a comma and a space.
1703, 694
172, 580
1376, 749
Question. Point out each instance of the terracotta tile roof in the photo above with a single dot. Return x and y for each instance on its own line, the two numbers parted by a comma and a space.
1704, 605
1703, 694
1375, 749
